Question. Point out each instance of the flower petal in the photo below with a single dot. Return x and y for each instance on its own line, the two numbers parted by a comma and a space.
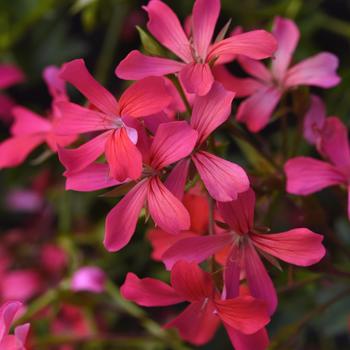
56, 85
257, 44
205, 246
148, 291
205, 14
197, 78
92, 178
239, 213
137, 66
176, 180
122, 219
8, 311
88, 278
172, 142
10, 75
287, 34
223, 179
299, 246
123, 157
166, 210
306, 175
76, 73
233, 267
255, 69
256, 110
166, 28
255, 341
318, 70
211, 110
79, 158
259, 282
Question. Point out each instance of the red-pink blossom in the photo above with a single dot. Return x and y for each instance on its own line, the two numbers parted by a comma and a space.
196, 52
119, 138
268, 86
88, 278
200, 319
298, 246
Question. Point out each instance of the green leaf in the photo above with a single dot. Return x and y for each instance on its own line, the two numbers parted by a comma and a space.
149, 44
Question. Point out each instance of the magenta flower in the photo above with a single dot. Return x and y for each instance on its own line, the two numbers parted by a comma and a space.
196, 52
299, 246
306, 175
172, 142
266, 90
8, 312
88, 278
119, 138
200, 319
29, 129
9, 75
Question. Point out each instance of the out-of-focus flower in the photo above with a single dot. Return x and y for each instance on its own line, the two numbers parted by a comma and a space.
299, 246
199, 321
88, 278
266, 90
29, 129
196, 52
17, 341
9, 75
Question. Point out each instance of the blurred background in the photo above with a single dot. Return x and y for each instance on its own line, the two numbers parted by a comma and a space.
48, 232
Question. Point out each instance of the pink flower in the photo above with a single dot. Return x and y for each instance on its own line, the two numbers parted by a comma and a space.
172, 142
8, 312
88, 278
29, 129
268, 87
200, 319
306, 175
299, 246
197, 53
9, 75
116, 120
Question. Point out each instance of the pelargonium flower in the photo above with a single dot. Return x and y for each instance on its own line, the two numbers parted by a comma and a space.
298, 246
29, 129
17, 341
119, 137
266, 90
306, 175
9, 75
197, 52
200, 319
172, 142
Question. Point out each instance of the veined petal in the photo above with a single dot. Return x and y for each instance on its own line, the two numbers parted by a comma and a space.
166, 210
233, 268
145, 97
197, 324
191, 282
172, 142
166, 28
176, 180
205, 14
318, 70
28, 123
92, 178
197, 78
259, 282
287, 34
137, 66
15, 150
255, 341
239, 213
223, 179
123, 157
79, 158
122, 219
75, 72
245, 314
255, 69
76, 120
257, 109
257, 44
148, 291
211, 110
306, 175
299, 246
205, 246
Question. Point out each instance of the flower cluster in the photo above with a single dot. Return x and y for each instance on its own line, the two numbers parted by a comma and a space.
157, 146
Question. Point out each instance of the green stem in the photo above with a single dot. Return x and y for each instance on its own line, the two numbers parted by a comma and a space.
179, 88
